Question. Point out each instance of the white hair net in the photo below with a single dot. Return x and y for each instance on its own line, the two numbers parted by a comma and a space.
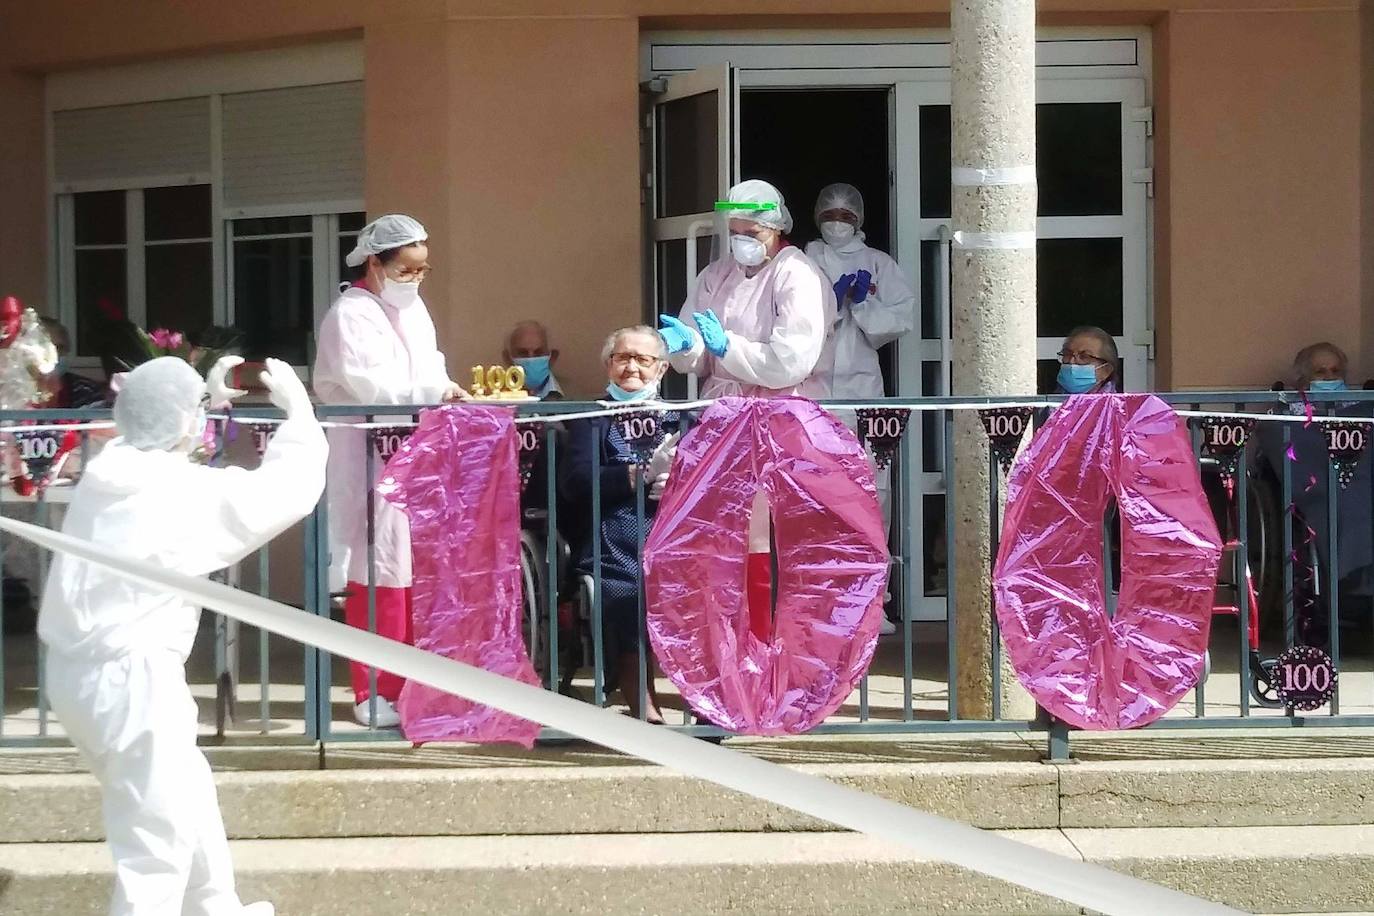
395, 230
157, 403
757, 191
840, 196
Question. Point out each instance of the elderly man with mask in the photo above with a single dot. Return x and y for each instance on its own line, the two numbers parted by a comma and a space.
377, 345
117, 649
528, 347
757, 323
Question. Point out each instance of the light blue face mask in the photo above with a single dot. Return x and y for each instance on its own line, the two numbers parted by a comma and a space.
647, 393
63, 364
1327, 384
1077, 379
537, 370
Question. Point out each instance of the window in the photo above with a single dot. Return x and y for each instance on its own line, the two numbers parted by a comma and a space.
284, 279
143, 254
160, 223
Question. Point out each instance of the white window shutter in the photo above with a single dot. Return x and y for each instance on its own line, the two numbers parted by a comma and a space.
125, 143
297, 146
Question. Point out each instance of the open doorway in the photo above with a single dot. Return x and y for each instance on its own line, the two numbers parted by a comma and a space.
801, 140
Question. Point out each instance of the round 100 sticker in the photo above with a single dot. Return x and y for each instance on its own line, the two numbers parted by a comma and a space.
1304, 677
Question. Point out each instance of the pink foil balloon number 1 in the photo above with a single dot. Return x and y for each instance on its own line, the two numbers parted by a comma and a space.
1081, 666
832, 564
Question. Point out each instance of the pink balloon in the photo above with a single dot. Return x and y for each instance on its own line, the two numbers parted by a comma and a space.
832, 566
1086, 669
456, 477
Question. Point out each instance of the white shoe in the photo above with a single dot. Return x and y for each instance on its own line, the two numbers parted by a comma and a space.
261, 908
887, 627
387, 716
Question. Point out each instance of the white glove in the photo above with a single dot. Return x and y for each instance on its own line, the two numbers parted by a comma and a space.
217, 384
662, 459
286, 390
659, 485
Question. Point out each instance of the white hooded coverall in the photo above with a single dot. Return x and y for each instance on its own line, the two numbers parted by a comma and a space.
117, 651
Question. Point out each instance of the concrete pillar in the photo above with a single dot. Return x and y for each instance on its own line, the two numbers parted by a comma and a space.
993, 96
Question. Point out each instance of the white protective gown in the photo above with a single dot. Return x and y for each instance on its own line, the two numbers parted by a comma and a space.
117, 650
778, 323
887, 314
371, 353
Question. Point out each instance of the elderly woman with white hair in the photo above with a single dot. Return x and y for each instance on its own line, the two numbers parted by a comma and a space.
635, 360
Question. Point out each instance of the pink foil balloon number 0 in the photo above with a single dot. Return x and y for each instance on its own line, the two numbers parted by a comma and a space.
832, 566
1081, 666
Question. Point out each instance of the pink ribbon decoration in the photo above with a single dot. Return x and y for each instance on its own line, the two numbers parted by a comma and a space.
832, 566
457, 479
1086, 669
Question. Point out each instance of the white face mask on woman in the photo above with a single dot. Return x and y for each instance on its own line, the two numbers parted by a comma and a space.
837, 233
400, 295
747, 250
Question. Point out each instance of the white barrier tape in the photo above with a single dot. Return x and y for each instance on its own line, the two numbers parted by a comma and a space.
965, 177
1084, 884
1274, 417
994, 240
51, 427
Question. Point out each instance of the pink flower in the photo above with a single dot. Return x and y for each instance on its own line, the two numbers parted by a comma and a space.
165, 339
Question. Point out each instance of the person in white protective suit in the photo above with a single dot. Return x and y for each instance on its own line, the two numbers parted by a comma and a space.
757, 323
377, 346
117, 649
875, 306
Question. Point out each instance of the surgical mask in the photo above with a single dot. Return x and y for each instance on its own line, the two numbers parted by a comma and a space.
1327, 384
400, 295
1077, 379
63, 364
536, 370
647, 393
747, 250
837, 233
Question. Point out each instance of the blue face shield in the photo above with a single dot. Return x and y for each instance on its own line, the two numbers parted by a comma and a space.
1077, 379
647, 393
537, 370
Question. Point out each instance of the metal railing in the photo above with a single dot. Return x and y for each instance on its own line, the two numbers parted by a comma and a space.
913, 684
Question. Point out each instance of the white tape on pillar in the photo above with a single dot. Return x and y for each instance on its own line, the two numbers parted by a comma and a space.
994, 240
1081, 883
965, 177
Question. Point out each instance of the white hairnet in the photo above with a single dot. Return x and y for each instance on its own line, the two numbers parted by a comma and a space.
757, 191
157, 403
395, 230
840, 196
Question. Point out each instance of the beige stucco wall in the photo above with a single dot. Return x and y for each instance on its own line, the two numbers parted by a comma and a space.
1263, 178
510, 127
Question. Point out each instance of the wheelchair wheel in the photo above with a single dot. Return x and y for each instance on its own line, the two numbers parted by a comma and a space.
534, 619
1263, 675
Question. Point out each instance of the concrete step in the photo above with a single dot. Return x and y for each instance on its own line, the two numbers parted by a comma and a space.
634, 798
1265, 869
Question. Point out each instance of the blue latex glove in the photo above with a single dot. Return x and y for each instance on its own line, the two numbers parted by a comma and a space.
842, 286
711, 332
677, 337
863, 280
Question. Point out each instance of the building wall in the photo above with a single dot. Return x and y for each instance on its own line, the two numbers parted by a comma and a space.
1262, 169
23, 180
511, 129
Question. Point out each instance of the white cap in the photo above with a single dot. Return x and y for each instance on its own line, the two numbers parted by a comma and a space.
395, 230
757, 191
